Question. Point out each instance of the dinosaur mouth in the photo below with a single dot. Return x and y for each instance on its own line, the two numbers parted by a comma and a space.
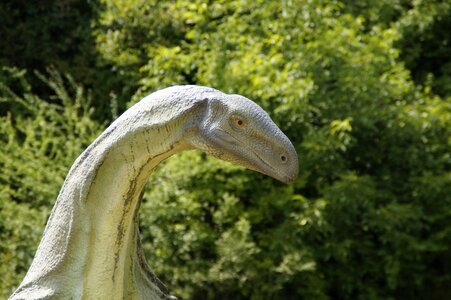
254, 161
263, 162
275, 174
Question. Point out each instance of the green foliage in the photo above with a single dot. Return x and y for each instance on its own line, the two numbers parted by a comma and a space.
424, 40
212, 228
41, 33
35, 133
426, 43
359, 223
353, 84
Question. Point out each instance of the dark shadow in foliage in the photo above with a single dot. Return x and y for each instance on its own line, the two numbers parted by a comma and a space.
38, 34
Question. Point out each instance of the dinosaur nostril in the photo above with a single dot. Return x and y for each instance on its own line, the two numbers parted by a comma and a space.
283, 158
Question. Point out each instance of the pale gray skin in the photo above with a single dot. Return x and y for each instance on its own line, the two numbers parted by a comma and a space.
91, 247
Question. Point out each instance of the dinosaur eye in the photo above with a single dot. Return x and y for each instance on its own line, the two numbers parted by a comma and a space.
237, 122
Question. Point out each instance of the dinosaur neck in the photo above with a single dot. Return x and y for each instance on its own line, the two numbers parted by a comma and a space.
113, 258
91, 247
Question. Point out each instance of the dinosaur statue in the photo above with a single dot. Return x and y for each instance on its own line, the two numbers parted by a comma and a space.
91, 248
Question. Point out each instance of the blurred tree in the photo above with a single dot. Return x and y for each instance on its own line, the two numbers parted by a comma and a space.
39, 34
356, 225
424, 39
39, 140
369, 216
426, 44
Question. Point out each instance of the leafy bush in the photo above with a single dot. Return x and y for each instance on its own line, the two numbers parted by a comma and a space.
369, 216
39, 139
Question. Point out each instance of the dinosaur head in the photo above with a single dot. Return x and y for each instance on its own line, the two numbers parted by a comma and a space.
237, 130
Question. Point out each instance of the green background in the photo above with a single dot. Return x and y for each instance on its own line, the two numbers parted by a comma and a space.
362, 88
